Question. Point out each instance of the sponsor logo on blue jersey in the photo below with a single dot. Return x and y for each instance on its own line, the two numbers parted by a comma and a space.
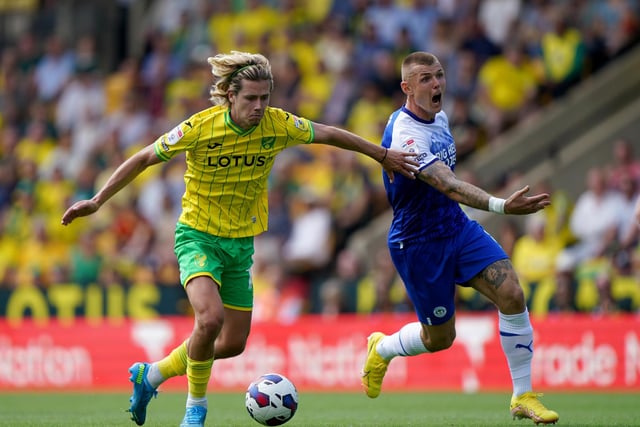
443, 146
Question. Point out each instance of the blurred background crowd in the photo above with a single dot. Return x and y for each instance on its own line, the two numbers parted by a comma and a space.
83, 85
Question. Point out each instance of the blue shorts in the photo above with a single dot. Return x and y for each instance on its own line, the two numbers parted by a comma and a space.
430, 270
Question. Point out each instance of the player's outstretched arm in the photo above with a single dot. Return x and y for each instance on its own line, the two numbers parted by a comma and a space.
391, 160
125, 173
441, 177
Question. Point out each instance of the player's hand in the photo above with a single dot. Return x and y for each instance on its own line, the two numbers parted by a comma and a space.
78, 209
402, 162
520, 204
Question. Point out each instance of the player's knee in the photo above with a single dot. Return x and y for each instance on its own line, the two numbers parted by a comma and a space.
439, 345
209, 324
441, 342
235, 348
511, 299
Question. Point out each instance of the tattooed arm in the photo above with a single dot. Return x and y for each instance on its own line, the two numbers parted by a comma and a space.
441, 177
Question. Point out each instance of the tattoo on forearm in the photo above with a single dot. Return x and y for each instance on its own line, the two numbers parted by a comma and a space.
442, 178
497, 273
475, 197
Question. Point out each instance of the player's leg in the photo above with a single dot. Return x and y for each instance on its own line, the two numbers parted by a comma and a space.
204, 296
234, 334
147, 377
431, 288
417, 338
230, 342
205, 273
499, 283
230, 296
485, 266
411, 340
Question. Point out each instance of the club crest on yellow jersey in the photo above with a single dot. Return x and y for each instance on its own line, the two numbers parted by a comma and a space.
268, 141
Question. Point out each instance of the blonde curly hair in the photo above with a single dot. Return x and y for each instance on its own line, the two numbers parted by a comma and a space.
231, 68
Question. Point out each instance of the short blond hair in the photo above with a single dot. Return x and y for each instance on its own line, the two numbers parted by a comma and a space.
420, 58
232, 68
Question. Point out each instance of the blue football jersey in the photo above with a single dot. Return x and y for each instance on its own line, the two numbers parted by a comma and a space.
421, 212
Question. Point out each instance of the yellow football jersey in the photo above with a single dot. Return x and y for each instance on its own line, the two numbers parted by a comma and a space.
228, 167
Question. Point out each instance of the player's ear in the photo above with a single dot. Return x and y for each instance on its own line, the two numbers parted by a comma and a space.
406, 89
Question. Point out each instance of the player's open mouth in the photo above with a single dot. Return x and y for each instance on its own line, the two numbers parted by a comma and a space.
436, 98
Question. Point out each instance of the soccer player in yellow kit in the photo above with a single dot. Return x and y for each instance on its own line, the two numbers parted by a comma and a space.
230, 149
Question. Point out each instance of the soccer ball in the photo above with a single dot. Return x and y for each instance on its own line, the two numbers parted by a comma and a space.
272, 399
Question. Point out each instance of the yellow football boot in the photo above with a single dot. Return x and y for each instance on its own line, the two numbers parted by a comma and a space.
528, 405
374, 367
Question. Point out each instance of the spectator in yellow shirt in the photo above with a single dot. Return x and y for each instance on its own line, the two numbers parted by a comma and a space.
534, 258
507, 87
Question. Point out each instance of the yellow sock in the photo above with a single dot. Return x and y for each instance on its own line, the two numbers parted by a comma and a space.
198, 374
175, 363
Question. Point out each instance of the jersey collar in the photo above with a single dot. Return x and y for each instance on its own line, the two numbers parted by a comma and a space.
413, 116
233, 126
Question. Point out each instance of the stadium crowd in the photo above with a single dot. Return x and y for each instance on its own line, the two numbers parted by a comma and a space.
66, 121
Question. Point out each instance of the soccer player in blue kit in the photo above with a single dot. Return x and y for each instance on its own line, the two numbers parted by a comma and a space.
435, 246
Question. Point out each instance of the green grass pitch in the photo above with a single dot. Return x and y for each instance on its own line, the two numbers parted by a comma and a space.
321, 409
